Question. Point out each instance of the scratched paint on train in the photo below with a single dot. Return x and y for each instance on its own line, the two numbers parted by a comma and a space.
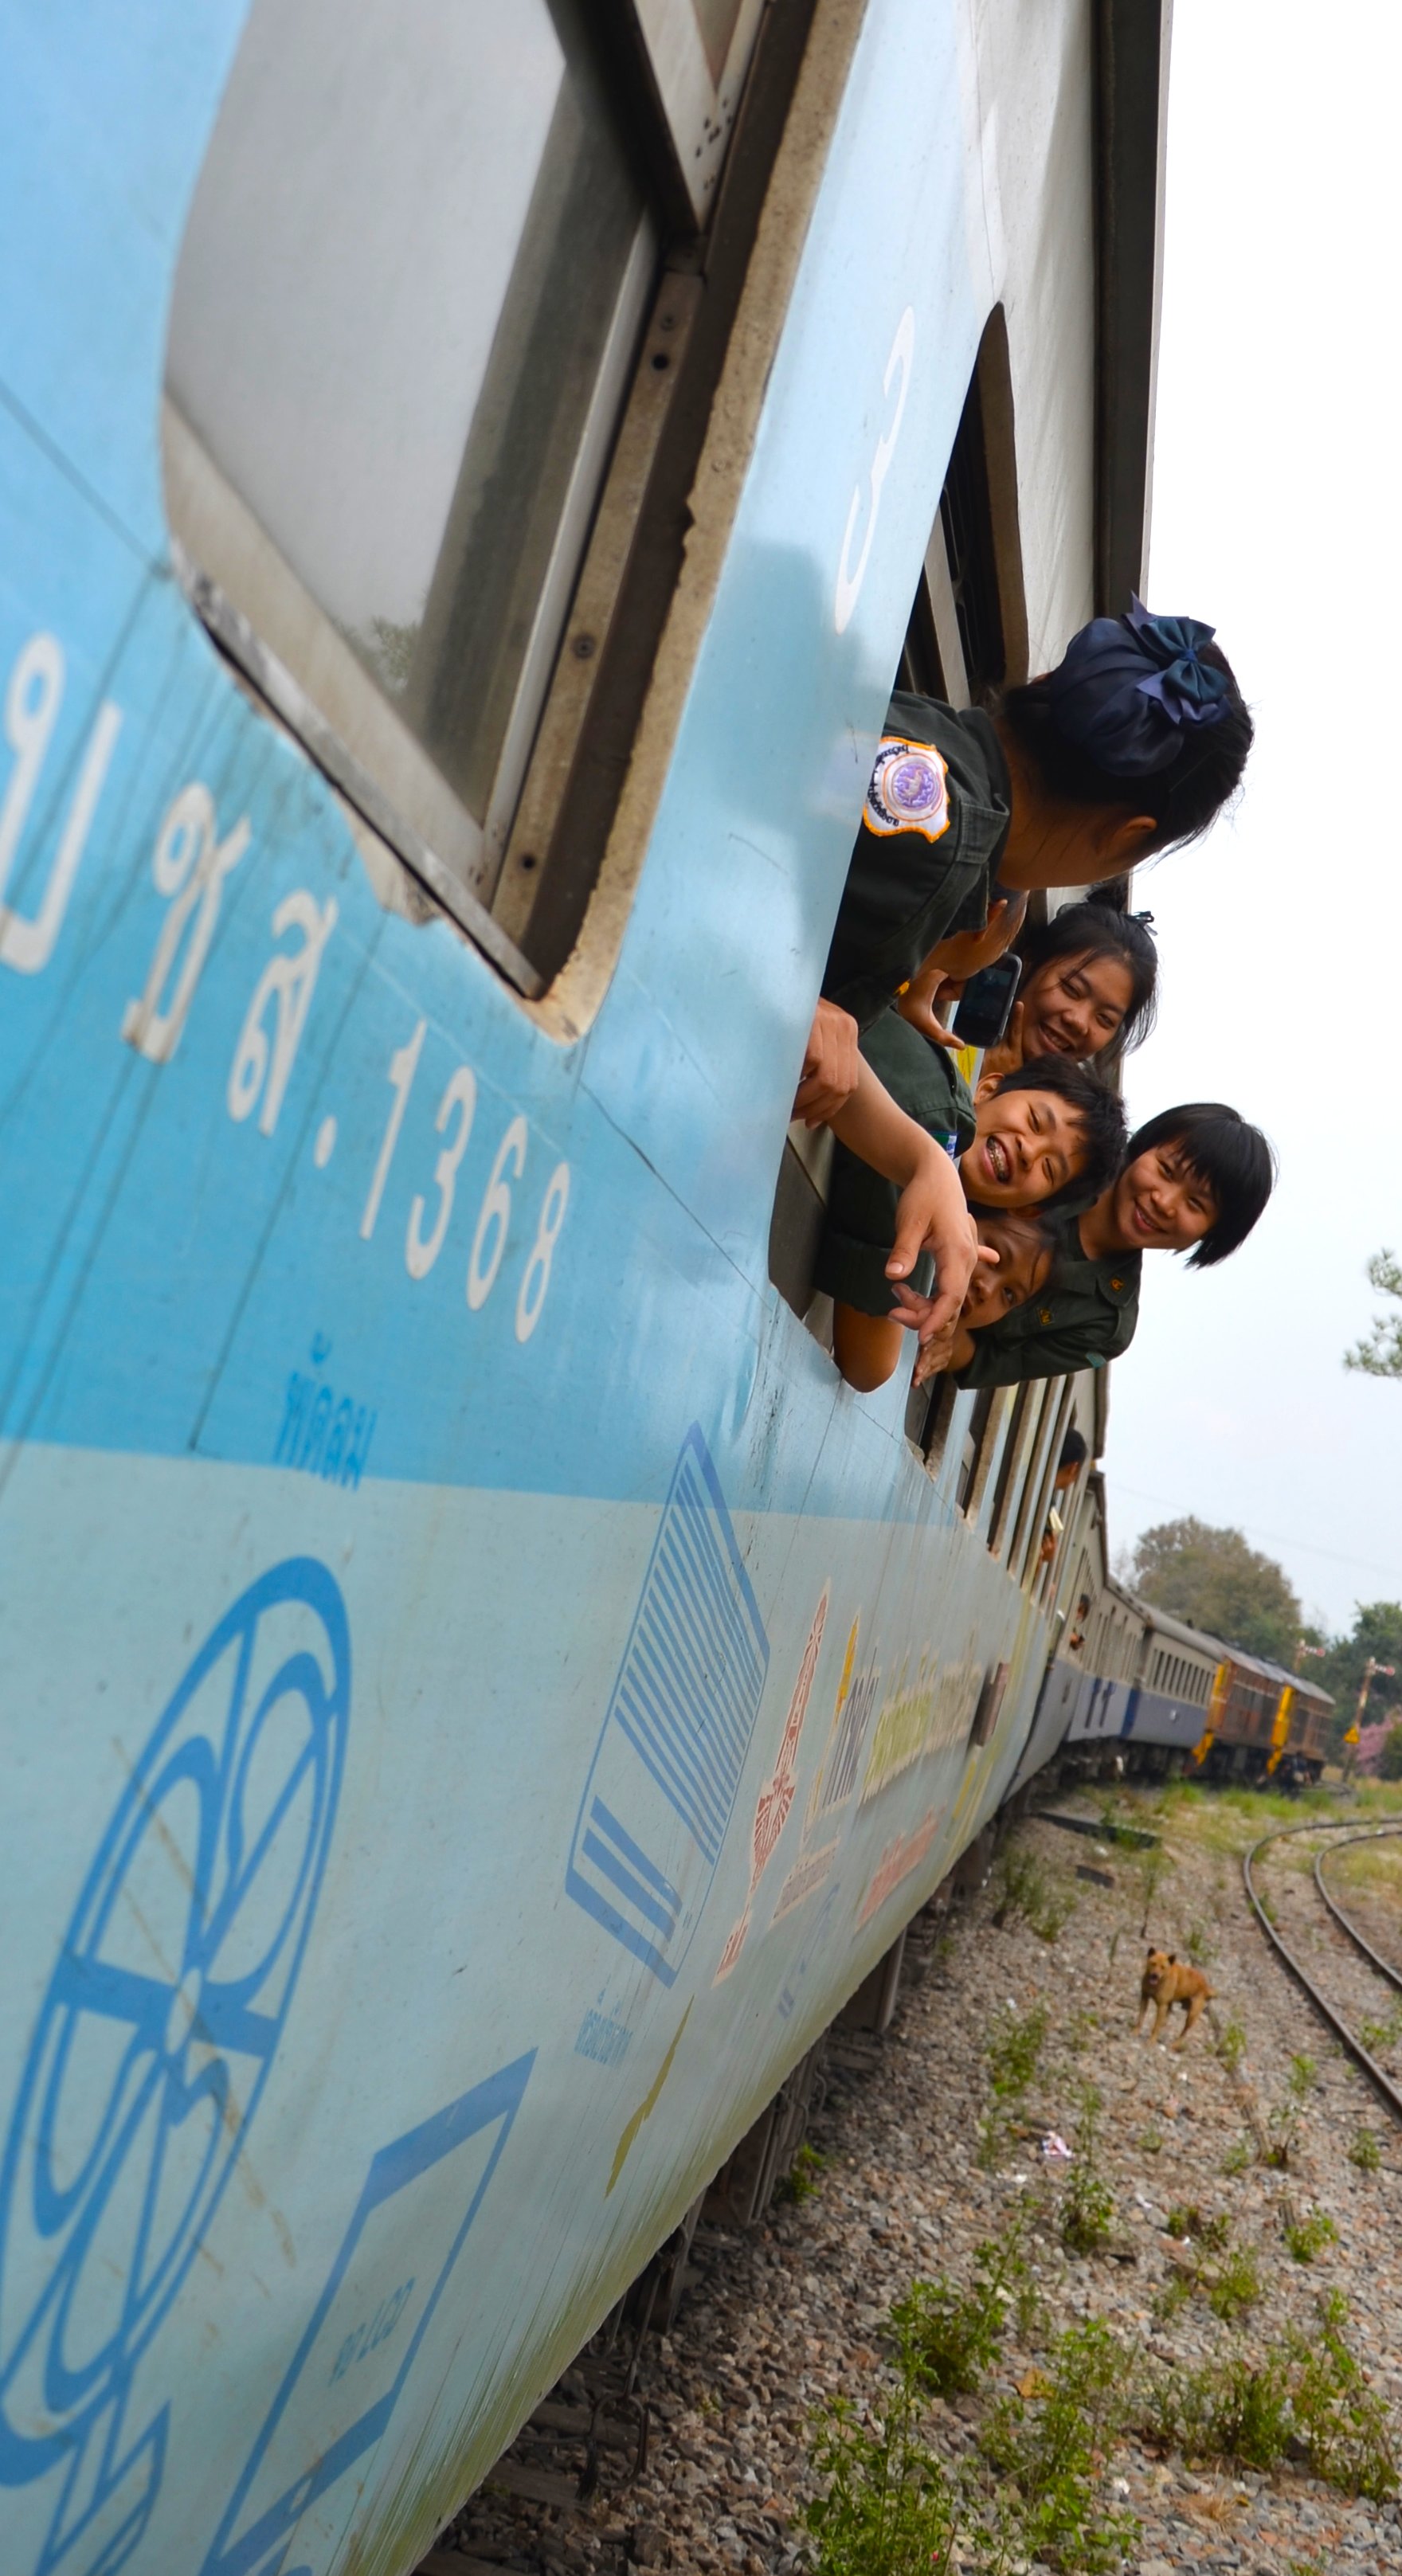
358, 1342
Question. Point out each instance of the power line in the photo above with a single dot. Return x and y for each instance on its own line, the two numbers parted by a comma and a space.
1277, 1538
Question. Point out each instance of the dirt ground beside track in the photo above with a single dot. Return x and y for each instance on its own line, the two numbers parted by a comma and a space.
776, 2323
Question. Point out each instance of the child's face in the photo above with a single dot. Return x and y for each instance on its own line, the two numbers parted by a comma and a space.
1024, 1259
1160, 1204
1027, 1145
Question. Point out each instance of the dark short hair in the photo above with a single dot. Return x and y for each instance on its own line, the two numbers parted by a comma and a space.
1073, 1450
1232, 1157
1183, 799
1100, 1111
1096, 929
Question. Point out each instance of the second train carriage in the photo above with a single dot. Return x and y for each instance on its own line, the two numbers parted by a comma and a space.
480, 1694
1125, 1674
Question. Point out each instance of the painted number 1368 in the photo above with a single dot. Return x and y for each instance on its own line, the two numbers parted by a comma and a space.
431, 1208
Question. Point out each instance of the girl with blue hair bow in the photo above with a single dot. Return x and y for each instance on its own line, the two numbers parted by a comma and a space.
1133, 744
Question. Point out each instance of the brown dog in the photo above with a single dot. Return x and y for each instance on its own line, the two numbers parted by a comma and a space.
1167, 1981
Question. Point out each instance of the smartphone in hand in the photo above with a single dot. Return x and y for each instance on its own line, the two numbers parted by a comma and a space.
984, 1005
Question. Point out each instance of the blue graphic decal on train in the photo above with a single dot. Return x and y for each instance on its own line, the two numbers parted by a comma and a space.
663, 1780
154, 2043
345, 2378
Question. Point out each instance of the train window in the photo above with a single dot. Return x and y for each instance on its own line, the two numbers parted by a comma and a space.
966, 633
969, 1490
416, 299
938, 1421
1010, 1467
1044, 1450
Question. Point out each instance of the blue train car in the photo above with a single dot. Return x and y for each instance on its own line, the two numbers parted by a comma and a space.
1179, 1668
479, 1692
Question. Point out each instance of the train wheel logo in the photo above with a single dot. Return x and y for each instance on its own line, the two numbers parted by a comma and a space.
154, 2042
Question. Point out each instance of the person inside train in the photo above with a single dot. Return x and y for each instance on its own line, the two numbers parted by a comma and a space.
1089, 988
928, 1222
833, 1068
1132, 745
1195, 1179
829, 1074
1068, 1468
1051, 1132
1022, 1240
868, 1347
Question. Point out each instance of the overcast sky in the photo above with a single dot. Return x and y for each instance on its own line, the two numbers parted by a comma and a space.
1275, 518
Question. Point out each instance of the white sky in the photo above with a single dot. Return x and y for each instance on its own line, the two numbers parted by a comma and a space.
1275, 517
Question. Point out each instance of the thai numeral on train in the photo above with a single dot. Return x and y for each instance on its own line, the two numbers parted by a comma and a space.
189, 865
403, 1065
431, 1210
537, 1272
489, 1242
32, 702
420, 1251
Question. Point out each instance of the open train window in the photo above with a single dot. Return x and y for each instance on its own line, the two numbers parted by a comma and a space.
966, 634
421, 290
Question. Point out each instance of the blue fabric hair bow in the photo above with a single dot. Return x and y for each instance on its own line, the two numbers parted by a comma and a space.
1129, 687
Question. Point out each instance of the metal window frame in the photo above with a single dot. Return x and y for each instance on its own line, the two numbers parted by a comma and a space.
480, 870
697, 108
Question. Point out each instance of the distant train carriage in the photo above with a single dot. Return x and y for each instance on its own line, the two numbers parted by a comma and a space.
1263, 1723
1178, 1670
1113, 1654
1126, 1675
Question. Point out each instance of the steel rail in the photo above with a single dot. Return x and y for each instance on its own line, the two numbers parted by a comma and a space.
1381, 2083
1380, 1833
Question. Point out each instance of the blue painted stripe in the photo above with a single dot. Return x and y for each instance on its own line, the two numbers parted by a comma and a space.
628, 1885
633, 1852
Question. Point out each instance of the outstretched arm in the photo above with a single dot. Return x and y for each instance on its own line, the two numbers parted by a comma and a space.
831, 1066
940, 1350
932, 1215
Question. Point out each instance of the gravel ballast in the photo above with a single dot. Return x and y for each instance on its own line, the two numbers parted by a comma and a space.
778, 2321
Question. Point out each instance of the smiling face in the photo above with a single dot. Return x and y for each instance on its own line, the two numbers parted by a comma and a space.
1160, 1204
1027, 1145
1074, 1006
1024, 1258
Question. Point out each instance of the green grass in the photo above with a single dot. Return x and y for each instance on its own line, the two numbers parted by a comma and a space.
1087, 2204
1302, 2396
947, 2337
1012, 2053
1231, 2045
1194, 2227
1306, 2237
800, 2183
1024, 1887
1050, 2453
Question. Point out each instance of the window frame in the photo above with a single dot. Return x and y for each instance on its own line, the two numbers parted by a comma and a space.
657, 118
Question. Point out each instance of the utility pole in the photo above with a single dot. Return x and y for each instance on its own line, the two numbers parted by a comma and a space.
1371, 1670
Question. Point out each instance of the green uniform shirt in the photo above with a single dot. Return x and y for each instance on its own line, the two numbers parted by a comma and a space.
933, 828
861, 1220
1085, 1315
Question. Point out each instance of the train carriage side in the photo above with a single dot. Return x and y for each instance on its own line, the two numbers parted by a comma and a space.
1308, 1741
1180, 1668
488, 1694
1248, 1718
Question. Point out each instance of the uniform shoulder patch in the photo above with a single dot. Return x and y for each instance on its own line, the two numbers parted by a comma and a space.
909, 789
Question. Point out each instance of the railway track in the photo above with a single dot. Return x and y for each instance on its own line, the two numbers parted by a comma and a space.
1347, 2037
